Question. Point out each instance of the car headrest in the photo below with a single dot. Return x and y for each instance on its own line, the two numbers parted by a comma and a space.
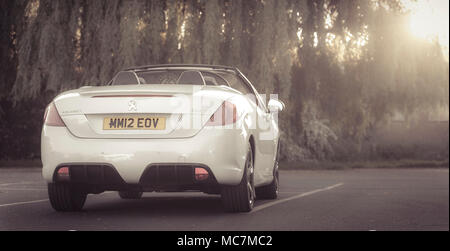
191, 78
125, 78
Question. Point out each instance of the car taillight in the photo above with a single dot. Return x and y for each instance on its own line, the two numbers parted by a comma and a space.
225, 115
51, 116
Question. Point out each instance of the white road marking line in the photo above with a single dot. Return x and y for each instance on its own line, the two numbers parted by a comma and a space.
23, 189
289, 192
38, 201
23, 203
266, 205
256, 209
20, 183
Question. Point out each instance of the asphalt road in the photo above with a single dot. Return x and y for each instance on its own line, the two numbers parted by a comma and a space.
360, 199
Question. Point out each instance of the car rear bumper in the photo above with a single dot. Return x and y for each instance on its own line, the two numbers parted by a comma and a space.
222, 151
99, 177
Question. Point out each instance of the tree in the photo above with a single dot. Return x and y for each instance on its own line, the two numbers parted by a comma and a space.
342, 67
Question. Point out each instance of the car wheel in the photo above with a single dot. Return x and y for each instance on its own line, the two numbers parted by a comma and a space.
66, 197
130, 195
241, 198
269, 192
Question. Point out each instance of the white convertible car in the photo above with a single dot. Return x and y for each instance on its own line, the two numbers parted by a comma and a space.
163, 128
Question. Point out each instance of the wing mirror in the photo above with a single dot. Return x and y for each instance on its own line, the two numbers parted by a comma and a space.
275, 105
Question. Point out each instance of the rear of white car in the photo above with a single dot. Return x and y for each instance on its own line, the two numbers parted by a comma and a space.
150, 137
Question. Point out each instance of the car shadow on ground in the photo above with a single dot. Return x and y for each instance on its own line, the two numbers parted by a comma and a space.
158, 205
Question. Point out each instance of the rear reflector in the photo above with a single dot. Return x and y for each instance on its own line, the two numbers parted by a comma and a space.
201, 174
63, 174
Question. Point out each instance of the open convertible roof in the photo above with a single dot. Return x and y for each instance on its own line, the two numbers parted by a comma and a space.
205, 66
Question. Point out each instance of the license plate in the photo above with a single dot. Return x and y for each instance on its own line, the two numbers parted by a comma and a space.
134, 123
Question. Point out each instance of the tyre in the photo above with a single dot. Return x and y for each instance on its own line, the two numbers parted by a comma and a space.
130, 195
269, 192
65, 197
241, 198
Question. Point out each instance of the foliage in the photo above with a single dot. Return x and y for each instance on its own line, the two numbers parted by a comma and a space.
342, 67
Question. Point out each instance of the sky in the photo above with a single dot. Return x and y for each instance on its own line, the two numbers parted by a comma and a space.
429, 19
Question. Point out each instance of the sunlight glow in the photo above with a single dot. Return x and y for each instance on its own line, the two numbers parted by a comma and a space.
316, 39
429, 19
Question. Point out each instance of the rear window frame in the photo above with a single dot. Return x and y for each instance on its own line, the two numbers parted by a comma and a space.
177, 70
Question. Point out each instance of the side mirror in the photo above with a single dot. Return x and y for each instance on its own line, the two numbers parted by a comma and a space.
275, 105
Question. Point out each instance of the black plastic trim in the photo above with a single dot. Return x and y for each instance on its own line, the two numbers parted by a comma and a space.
107, 171
180, 182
